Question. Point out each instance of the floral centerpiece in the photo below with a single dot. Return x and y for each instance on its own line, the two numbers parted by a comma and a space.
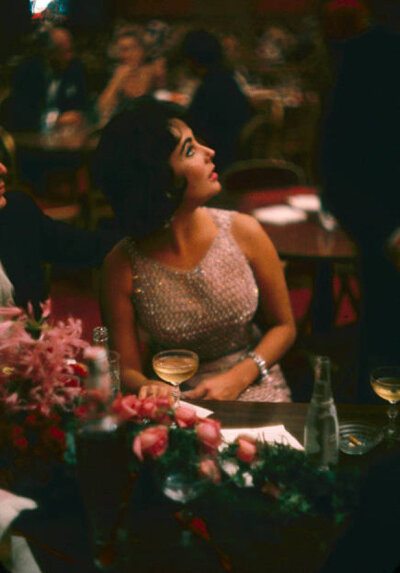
40, 384
218, 486
42, 402
178, 442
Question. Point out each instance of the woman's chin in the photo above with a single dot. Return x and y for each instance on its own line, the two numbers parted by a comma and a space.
3, 202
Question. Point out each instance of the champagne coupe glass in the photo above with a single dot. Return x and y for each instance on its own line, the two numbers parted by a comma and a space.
175, 366
385, 382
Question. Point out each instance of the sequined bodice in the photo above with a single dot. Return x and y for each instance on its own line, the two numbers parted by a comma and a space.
209, 309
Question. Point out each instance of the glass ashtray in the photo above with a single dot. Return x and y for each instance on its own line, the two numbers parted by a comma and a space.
356, 438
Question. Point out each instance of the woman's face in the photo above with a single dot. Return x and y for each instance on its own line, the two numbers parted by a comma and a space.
194, 162
129, 51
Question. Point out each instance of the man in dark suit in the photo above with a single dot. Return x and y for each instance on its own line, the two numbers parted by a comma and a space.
28, 238
48, 89
219, 109
360, 160
52, 79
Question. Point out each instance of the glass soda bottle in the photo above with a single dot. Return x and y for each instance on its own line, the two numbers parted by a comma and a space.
102, 455
100, 336
321, 432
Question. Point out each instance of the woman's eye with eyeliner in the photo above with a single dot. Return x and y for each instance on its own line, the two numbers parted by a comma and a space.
190, 151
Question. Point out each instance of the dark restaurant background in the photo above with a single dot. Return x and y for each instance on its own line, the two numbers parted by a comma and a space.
308, 66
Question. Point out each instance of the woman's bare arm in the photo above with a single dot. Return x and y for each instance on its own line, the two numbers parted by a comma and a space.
119, 316
276, 308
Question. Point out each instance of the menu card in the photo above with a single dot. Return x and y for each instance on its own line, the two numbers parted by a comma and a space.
270, 434
201, 412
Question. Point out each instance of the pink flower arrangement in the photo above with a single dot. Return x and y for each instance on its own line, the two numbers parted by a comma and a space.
151, 442
209, 469
246, 449
179, 440
185, 417
37, 361
209, 433
40, 384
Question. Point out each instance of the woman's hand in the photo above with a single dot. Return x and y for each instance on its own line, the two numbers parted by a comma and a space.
121, 74
156, 388
221, 387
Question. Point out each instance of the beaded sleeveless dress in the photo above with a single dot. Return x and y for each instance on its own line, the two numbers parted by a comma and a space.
209, 309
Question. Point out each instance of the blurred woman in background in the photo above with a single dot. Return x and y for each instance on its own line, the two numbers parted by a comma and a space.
133, 75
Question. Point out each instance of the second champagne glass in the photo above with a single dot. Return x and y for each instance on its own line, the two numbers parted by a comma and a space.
385, 382
175, 366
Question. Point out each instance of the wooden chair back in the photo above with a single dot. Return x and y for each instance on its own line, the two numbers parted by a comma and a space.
262, 174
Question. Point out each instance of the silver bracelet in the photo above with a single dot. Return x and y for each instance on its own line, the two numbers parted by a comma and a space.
260, 362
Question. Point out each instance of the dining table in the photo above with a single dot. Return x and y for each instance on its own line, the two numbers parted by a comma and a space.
310, 241
66, 139
58, 537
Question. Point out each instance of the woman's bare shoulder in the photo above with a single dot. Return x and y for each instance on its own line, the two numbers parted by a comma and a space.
249, 234
118, 257
246, 227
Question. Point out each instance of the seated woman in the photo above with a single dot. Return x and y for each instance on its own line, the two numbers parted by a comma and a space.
132, 76
187, 275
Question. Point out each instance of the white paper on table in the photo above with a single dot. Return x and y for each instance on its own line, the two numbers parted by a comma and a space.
270, 434
279, 215
11, 506
201, 412
305, 201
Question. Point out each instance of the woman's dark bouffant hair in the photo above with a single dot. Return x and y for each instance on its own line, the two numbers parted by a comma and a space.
132, 166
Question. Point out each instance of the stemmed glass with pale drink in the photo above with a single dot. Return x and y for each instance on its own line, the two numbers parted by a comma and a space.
385, 382
174, 367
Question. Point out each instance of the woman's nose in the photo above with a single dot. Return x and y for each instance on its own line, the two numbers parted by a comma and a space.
209, 152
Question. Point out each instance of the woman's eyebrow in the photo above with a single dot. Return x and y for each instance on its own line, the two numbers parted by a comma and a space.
187, 141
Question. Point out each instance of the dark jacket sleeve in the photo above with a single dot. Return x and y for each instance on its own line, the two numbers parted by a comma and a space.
28, 238
65, 244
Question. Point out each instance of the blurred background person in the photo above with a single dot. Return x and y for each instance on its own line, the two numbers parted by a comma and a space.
48, 92
219, 109
52, 79
157, 40
136, 73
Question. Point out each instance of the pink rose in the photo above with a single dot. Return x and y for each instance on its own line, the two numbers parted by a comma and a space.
247, 449
162, 407
185, 417
126, 407
148, 408
151, 442
209, 469
209, 433
162, 402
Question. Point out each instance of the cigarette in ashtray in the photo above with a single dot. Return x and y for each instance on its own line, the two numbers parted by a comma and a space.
355, 441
